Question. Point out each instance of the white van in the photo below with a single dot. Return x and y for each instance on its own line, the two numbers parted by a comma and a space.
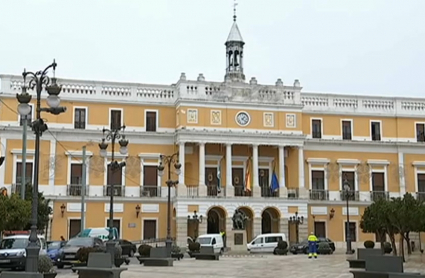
265, 243
214, 240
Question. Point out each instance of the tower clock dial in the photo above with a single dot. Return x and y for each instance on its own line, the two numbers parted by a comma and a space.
243, 118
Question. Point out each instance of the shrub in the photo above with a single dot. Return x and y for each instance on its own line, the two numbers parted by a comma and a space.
282, 245
387, 248
194, 246
175, 249
369, 244
45, 264
324, 248
83, 253
145, 250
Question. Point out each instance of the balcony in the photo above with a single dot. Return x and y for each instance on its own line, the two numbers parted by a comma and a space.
118, 190
376, 195
353, 195
293, 193
75, 190
241, 192
192, 191
150, 191
420, 196
319, 194
266, 191
214, 191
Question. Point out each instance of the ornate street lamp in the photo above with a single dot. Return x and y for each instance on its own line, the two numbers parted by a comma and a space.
169, 161
39, 81
297, 220
113, 135
195, 219
348, 193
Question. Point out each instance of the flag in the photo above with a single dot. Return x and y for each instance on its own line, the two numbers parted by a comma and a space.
219, 177
248, 177
274, 186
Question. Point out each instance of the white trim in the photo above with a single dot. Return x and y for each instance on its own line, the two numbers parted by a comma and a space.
16, 160
357, 230
418, 163
19, 152
196, 115
351, 128
68, 174
325, 176
323, 221
380, 129
142, 171
249, 118
240, 158
120, 234
416, 130
156, 118
242, 131
142, 225
213, 158
77, 153
211, 116
311, 127
318, 160
110, 114
378, 162
237, 105
348, 161
32, 114
69, 224
264, 119
286, 120
149, 156
416, 172
356, 181
86, 114
268, 159
371, 171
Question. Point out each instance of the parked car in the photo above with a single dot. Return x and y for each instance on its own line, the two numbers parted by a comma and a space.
302, 247
68, 254
265, 243
128, 248
54, 249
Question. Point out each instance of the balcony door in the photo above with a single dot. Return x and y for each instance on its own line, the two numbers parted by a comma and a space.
237, 181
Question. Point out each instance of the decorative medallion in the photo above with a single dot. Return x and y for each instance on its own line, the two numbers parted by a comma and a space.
243, 118
192, 116
215, 117
291, 120
210, 177
236, 180
262, 173
268, 120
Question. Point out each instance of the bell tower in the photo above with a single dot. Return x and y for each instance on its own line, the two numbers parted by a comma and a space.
234, 53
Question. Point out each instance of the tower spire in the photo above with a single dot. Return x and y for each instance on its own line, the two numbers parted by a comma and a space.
234, 10
234, 52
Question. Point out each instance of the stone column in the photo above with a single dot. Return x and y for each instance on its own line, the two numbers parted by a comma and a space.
202, 188
229, 186
182, 162
181, 231
283, 192
256, 190
303, 192
256, 227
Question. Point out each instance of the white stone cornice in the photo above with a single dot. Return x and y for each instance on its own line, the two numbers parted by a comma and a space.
343, 161
149, 155
19, 152
418, 163
318, 160
213, 157
77, 153
265, 159
117, 155
239, 158
377, 162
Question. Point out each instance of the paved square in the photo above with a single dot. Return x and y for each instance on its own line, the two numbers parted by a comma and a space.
266, 266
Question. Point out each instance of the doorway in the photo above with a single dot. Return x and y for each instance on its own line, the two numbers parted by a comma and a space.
211, 180
149, 229
74, 227
320, 228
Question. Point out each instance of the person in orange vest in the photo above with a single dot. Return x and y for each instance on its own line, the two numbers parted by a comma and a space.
312, 246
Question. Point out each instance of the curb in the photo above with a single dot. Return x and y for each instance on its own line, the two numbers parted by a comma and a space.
242, 256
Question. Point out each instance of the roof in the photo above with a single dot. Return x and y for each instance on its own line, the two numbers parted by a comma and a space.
235, 34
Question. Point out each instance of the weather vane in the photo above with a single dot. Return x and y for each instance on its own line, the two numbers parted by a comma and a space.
234, 10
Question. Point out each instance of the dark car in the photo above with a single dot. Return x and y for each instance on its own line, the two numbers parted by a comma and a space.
302, 247
54, 249
128, 248
68, 254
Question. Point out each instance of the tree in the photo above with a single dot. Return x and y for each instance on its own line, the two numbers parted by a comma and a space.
44, 210
14, 213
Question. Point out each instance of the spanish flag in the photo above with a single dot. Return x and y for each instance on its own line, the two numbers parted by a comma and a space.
248, 176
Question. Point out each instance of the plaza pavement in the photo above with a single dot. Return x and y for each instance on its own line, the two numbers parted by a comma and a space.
259, 266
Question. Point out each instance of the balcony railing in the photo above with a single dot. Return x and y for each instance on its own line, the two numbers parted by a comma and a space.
353, 195
118, 190
192, 191
150, 191
75, 190
376, 195
266, 191
420, 196
240, 191
293, 193
16, 188
214, 191
319, 194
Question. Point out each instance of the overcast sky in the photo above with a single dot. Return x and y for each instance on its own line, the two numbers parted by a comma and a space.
374, 47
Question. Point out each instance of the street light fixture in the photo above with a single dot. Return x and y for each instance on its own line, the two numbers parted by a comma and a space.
39, 81
169, 161
297, 220
348, 193
113, 135
195, 219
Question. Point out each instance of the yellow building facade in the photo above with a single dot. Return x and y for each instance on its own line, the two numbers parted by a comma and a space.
313, 143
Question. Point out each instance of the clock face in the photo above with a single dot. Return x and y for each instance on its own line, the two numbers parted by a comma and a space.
243, 118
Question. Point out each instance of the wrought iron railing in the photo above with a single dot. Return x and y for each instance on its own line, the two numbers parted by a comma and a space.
118, 190
376, 195
150, 191
319, 194
352, 195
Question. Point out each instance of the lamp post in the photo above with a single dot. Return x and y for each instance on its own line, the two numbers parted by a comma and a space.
297, 220
348, 193
113, 135
169, 161
39, 81
197, 220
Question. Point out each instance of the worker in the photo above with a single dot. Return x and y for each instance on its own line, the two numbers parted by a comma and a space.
223, 235
312, 246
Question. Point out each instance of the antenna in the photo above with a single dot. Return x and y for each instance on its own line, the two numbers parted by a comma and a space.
234, 10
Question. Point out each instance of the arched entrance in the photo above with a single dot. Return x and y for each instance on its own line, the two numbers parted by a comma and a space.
216, 220
270, 221
249, 227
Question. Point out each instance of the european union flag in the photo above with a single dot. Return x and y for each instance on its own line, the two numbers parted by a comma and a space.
275, 182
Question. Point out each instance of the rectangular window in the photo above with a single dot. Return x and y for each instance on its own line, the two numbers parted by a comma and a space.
27, 117
114, 176
375, 131
116, 119
346, 130
318, 180
76, 174
421, 183
320, 229
353, 231
151, 121
316, 128
150, 176
378, 182
348, 176
28, 170
80, 118
420, 129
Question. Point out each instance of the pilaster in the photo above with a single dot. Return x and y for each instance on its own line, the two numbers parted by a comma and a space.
182, 155
256, 227
201, 165
181, 232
